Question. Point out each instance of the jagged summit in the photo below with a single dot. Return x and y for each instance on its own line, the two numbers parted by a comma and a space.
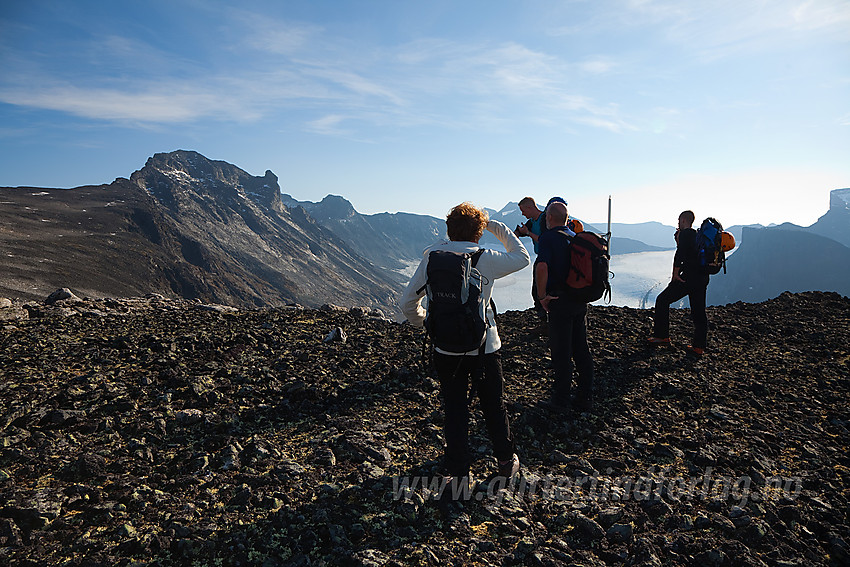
839, 199
184, 226
332, 207
180, 175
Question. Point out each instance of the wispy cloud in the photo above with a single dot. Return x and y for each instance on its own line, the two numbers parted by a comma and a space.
266, 66
175, 103
831, 15
597, 66
716, 29
351, 82
328, 125
273, 35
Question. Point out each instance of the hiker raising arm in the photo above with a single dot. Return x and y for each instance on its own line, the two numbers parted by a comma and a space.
499, 264
469, 350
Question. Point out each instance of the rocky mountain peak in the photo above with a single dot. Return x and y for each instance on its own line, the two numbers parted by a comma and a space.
331, 208
839, 199
176, 177
334, 206
835, 223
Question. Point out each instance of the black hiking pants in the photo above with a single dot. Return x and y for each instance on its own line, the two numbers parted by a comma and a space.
695, 288
538, 307
568, 343
454, 373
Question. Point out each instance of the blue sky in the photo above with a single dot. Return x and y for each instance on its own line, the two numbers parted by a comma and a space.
738, 109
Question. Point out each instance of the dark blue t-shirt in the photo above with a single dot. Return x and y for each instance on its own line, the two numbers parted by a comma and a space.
554, 250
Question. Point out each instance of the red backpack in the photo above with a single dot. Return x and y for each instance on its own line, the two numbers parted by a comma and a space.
587, 280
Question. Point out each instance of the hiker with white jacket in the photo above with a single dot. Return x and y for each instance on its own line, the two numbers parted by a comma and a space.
474, 354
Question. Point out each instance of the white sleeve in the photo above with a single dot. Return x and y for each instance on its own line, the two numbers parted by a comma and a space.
514, 258
411, 299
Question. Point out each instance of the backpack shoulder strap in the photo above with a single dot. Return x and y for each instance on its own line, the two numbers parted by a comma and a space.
476, 255
565, 234
425, 285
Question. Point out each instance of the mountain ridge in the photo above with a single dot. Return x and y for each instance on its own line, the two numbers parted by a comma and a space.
187, 226
192, 227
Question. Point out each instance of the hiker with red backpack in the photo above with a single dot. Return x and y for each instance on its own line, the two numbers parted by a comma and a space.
567, 309
690, 278
458, 278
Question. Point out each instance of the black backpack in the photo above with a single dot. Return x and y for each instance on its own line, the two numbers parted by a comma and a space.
587, 279
455, 319
710, 254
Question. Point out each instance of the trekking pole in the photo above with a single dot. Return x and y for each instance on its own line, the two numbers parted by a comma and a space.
608, 234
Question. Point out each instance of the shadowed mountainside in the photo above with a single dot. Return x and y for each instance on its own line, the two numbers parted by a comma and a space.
182, 226
771, 260
173, 433
388, 240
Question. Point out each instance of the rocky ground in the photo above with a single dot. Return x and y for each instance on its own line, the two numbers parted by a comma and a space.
157, 432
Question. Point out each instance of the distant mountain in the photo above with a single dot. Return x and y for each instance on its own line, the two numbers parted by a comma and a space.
835, 224
389, 240
773, 260
738, 231
182, 225
788, 257
651, 233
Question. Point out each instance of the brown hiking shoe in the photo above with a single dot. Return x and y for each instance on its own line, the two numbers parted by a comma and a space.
658, 341
510, 467
542, 329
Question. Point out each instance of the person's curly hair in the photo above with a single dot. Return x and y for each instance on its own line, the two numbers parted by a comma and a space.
466, 223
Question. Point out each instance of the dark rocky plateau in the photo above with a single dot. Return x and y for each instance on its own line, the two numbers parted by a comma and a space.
150, 431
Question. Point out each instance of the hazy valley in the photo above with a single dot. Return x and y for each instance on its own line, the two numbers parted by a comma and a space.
185, 226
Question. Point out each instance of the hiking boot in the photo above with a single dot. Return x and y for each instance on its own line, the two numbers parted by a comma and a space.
583, 404
456, 488
510, 467
556, 405
696, 351
542, 329
658, 341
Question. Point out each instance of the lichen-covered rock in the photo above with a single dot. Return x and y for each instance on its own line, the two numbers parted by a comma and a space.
169, 431
62, 294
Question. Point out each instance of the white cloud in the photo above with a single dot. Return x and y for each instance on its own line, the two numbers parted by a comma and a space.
352, 82
328, 125
831, 15
597, 66
716, 29
275, 36
174, 103
294, 67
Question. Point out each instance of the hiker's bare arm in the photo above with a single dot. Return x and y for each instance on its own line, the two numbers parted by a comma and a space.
542, 273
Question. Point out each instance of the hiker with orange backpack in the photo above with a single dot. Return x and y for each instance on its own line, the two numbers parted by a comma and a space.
689, 279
